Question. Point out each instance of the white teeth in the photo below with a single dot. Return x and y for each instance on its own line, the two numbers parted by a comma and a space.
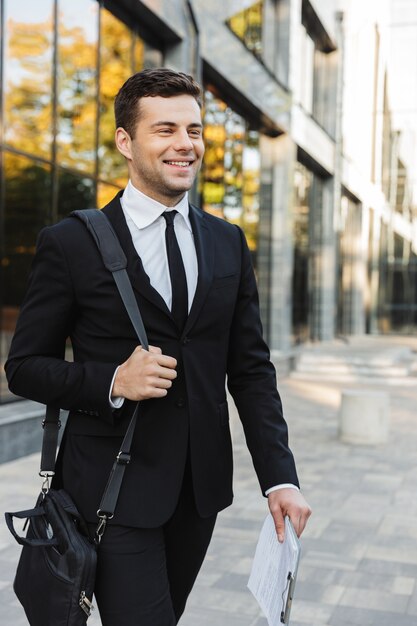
180, 163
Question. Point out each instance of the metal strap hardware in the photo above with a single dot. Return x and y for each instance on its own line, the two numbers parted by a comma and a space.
58, 423
86, 604
123, 458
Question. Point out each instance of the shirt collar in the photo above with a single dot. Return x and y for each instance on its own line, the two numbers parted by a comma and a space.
144, 210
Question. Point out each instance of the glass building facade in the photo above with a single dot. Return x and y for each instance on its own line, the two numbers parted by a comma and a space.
61, 65
230, 176
247, 25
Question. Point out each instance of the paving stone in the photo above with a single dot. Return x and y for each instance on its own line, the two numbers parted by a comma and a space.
359, 551
350, 616
412, 607
374, 599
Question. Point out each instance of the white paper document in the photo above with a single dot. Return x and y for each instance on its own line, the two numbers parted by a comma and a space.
274, 570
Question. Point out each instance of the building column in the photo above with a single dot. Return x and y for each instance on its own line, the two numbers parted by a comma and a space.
275, 251
323, 263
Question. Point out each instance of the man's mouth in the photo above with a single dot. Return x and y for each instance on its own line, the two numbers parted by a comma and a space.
179, 163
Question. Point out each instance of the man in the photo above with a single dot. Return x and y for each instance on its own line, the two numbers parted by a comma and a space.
196, 290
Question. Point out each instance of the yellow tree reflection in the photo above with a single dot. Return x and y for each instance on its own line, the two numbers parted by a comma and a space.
28, 101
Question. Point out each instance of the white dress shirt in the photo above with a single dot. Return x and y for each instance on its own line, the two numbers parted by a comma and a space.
147, 228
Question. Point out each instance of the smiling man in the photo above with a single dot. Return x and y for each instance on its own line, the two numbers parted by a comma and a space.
195, 286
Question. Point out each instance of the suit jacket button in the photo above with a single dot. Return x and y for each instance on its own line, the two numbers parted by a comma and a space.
185, 341
180, 403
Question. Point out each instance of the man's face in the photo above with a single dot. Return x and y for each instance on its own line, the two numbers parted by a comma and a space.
166, 152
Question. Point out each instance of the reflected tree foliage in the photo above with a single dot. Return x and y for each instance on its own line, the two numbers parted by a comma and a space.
27, 208
74, 192
247, 25
230, 177
77, 89
121, 54
58, 154
28, 88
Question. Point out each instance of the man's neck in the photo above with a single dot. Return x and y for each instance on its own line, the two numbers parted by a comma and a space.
166, 201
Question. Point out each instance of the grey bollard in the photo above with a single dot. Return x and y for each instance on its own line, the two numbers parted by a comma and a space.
364, 417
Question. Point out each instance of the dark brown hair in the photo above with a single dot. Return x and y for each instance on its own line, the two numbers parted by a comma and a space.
150, 83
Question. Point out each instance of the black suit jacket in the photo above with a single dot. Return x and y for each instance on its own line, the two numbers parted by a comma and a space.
71, 294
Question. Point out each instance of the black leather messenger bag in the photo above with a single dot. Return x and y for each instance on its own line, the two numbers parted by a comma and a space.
56, 572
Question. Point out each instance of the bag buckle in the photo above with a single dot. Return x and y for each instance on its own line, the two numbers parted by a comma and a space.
86, 604
58, 423
123, 458
46, 475
101, 527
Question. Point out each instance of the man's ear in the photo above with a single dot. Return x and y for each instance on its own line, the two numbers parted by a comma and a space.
123, 142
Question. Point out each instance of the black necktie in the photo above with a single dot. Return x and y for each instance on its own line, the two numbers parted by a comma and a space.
179, 307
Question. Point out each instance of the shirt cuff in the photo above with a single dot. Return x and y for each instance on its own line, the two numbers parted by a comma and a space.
116, 402
283, 486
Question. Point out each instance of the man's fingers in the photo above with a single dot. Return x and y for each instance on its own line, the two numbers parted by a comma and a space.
292, 503
155, 354
299, 517
166, 361
279, 523
145, 374
160, 383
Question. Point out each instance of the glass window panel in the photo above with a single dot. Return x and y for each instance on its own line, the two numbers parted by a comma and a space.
303, 182
145, 56
105, 193
74, 192
28, 75
77, 83
307, 48
152, 57
229, 182
138, 54
247, 25
27, 204
251, 173
7, 325
116, 65
27, 196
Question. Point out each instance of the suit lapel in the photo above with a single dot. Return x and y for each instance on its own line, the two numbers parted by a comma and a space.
138, 277
205, 259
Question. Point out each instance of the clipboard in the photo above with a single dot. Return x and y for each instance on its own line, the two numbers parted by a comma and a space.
295, 552
274, 571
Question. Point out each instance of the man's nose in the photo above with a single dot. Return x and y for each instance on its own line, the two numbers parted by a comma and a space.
182, 140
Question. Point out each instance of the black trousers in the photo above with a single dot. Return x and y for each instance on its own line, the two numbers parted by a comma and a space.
144, 576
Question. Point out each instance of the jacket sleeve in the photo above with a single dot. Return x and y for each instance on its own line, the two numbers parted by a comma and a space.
36, 367
253, 386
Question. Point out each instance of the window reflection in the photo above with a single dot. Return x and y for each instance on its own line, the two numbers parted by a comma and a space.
28, 75
74, 192
303, 180
51, 85
121, 53
27, 204
105, 193
77, 83
152, 57
231, 170
247, 25
27, 195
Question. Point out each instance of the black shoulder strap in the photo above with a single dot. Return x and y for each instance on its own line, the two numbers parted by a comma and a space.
115, 261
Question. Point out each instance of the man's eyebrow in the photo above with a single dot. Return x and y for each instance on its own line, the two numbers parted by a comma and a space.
173, 124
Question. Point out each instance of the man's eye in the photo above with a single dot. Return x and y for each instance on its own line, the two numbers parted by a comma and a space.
165, 131
195, 133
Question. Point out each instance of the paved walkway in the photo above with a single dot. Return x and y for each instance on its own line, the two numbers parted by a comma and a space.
359, 563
